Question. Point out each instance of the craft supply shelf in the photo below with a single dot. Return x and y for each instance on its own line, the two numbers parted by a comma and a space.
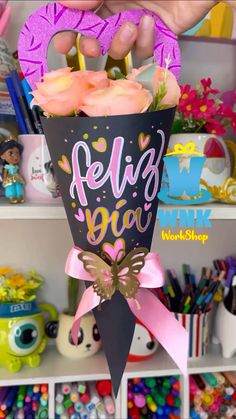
57, 369
56, 212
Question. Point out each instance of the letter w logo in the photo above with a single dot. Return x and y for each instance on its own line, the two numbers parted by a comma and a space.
184, 181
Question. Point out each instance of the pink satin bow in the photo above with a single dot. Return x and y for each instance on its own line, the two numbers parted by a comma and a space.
151, 312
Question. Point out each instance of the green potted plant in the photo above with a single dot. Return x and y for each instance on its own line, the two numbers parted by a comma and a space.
23, 336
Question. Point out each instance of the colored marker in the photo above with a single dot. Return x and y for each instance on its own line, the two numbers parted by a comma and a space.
66, 388
34, 110
59, 409
16, 105
85, 397
10, 398
82, 387
139, 400
109, 405
210, 379
74, 395
78, 407
22, 101
36, 388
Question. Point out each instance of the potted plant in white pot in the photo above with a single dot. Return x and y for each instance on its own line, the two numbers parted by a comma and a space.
89, 341
202, 118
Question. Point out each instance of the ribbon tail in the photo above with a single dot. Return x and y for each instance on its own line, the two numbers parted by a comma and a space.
88, 302
163, 325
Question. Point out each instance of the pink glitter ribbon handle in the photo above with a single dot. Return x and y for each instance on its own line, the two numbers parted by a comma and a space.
151, 312
52, 18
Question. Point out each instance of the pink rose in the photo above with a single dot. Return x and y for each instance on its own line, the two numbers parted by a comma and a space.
153, 77
121, 97
61, 92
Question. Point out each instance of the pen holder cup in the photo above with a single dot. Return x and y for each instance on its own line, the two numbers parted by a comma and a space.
37, 171
197, 325
225, 323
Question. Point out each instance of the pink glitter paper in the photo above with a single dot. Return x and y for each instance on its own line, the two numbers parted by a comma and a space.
52, 18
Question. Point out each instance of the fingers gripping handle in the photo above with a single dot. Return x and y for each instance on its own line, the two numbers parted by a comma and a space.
52, 18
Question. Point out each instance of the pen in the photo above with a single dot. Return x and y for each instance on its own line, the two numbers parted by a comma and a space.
193, 282
186, 309
22, 101
185, 299
174, 282
19, 116
34, 110
196, 306
174, 302
168, 302
11, 397
187, 274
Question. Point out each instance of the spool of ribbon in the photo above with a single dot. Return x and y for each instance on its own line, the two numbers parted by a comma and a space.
188, 148
149, 310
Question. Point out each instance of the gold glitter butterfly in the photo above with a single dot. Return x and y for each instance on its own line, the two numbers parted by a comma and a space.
117, 277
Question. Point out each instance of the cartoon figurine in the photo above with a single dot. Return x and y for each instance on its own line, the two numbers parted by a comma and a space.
12, 181
144, 345
89, 340
22, 337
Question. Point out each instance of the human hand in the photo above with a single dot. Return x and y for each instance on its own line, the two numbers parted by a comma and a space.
178, 15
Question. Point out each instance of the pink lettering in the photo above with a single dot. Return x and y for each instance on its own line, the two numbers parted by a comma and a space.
96, 177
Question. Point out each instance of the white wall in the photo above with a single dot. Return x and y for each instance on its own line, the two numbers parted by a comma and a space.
204, 59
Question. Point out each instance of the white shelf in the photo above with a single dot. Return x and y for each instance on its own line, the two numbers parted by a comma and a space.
213, 362
32, 212
56, 368
56, 212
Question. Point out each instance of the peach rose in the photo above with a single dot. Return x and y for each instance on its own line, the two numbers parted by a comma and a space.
62, 91
153, 77
121, 97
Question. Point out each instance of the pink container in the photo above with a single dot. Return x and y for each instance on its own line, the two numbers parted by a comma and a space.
37, 171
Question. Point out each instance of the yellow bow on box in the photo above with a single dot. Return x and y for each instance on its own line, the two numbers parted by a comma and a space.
189, 148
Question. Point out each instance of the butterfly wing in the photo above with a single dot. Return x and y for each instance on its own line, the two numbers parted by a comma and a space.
128, 283
101, 272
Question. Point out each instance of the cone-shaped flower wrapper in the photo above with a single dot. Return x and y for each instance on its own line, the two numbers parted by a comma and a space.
109, 171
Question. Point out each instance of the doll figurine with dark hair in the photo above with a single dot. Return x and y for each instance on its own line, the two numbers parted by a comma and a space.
12, 181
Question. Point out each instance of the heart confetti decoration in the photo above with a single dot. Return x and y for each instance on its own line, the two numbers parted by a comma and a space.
100, 145
115, 250
143, 141
80, 216
147, 206
65, 165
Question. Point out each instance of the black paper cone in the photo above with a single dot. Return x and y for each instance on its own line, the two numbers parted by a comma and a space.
109, 171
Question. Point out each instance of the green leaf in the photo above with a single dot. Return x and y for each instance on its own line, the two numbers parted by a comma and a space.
177, 127
73, 289
155, 106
